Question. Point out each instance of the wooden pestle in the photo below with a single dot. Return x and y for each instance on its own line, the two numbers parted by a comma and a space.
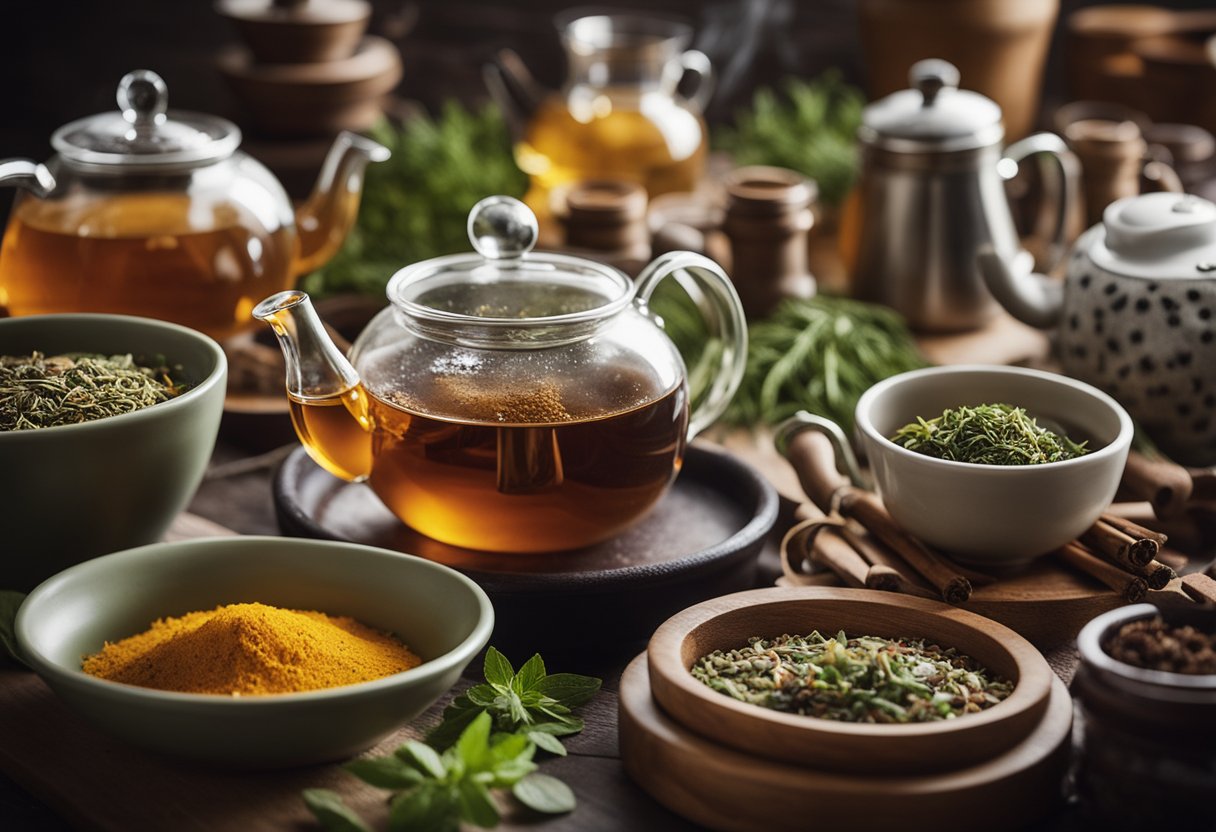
814, 460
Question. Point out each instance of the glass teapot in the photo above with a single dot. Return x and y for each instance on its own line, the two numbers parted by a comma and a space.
508, 401
618, 115
158, 213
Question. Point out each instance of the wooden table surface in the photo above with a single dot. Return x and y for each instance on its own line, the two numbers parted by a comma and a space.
82, 795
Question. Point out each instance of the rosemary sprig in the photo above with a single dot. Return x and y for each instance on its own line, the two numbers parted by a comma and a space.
987, 434
820, 355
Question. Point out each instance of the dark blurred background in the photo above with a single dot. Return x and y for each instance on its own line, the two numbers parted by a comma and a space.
63, 59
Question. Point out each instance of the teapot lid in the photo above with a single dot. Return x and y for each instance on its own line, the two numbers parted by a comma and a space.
1159, 235
143, 133
503, 283
935, 115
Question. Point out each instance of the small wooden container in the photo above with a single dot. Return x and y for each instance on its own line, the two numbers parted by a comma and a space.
298, 31
728, 622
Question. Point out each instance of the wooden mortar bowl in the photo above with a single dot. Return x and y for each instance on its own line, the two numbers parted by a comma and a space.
728, 622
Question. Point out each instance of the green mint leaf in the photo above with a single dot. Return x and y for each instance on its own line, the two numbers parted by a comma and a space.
334, 815
508, 746
480, 695
10, 601
385, 772
473, 747
455, 720
510, 772
422, 757
559, 729
476, 805
428, 808
569, 689
529, 675
497, 669
517, 712
547, 742
544, 794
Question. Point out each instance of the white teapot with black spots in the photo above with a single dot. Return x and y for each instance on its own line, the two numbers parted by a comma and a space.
1136, 315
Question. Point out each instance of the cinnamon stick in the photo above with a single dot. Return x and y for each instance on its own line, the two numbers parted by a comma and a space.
1199, 587
1130, 587
885, 566
1116, 545
832, 551
1165, 484
869, 511
1133, 529
1157, 575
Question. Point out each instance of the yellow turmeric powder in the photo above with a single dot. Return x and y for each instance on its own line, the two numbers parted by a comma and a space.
251, 649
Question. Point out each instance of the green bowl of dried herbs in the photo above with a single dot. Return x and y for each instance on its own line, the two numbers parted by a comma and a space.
996, 465
106, 426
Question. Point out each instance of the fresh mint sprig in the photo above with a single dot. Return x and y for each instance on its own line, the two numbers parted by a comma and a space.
531, 702
437, 792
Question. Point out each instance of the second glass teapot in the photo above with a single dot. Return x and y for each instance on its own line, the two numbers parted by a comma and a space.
618, 115
508, 401
158, 213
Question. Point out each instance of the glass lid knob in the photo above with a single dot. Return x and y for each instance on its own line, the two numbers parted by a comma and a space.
931, 76
143, 97
502, 228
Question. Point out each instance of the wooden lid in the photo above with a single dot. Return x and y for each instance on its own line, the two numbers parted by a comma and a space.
320, 12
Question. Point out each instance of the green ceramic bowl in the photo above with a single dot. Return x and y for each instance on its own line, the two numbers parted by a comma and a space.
74, 492
443, 616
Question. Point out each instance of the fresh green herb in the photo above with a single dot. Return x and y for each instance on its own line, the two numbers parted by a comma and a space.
865, 679
820, 355
531, 701
436, 792
809, 126
40, 392
415, 205
10, 602
987, 434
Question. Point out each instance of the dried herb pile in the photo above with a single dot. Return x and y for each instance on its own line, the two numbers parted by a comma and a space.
864, 679
41, 392
987, 434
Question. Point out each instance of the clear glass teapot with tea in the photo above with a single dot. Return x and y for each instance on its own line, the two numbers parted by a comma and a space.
618, 115
152, 212
510, 401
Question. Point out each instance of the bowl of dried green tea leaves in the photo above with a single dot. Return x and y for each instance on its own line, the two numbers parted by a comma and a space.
107, 423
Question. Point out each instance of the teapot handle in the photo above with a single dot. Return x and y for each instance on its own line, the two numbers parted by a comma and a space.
697, 62
22, 173
1065, 184
715, 296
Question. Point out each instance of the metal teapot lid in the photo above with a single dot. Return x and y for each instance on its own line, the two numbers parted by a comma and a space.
1159, 235
933, 116
143, 134
504, 282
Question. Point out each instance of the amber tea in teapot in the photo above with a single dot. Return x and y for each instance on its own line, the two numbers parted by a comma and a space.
508, 401
618, 116
130, 253
146, 211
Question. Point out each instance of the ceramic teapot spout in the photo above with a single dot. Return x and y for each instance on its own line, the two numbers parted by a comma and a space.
326, 217
1034, 299
32, 176
328, 404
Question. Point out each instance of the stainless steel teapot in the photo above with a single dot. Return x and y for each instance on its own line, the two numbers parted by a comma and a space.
931, 199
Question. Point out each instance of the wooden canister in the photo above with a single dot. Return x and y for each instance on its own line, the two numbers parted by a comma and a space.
1000, 47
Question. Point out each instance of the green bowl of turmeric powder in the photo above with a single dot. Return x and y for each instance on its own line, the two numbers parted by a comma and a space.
253, 652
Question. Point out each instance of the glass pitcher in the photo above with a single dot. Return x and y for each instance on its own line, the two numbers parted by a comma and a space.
508, 401
619, 115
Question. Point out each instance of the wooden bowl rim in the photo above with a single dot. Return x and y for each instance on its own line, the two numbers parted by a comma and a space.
1030, 692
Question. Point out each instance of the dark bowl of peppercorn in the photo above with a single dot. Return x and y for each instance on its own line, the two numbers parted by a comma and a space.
93, 458
1146, 688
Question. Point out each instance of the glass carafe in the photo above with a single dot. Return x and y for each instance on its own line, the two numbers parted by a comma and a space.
619, 115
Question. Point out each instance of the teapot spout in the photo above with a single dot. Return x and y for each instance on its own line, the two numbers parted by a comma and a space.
329, 408
326, 217
1034, 299
22, 173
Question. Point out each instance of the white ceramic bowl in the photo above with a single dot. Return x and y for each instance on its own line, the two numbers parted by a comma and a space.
443, 616
994, 515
